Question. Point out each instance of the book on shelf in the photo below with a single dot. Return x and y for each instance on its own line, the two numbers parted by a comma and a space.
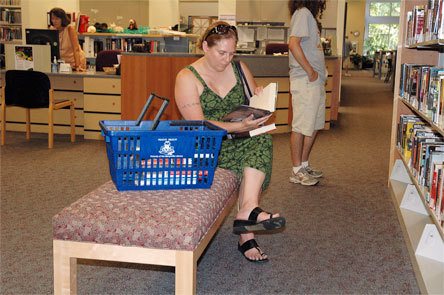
439, 207
402, 127
408, 130
425, 147
424, 22
436, 16
418, 23
260, 106
423, 87
434, 154
436, 185
420, 141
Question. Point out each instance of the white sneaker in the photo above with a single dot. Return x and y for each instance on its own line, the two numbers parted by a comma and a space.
303, 177
314, 172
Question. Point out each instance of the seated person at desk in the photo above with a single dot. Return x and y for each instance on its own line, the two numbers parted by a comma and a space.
70, 50
209, 89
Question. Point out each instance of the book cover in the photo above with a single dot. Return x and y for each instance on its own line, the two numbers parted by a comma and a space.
434, 155
24, 59
410, 127
244, 111
260, 106
420, 135
418, 25
439, 209
435, 187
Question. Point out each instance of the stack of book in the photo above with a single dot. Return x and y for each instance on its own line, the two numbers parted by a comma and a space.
422, 86
423, 150
10, 16
93, 46
425, 22
9, 34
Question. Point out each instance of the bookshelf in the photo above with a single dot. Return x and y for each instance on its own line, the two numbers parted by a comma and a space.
10, 21
152, 42
422, 229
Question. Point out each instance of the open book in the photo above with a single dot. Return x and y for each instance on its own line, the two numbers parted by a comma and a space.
260, 106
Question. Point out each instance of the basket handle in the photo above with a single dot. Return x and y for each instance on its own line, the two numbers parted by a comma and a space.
165, 103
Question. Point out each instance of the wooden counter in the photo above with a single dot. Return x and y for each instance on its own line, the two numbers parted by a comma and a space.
99, 96
96, 96
145, 73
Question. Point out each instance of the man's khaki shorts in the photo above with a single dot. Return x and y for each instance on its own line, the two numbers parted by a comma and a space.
308, 99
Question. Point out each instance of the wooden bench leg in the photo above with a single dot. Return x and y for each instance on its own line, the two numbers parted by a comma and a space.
186, 268
65, 270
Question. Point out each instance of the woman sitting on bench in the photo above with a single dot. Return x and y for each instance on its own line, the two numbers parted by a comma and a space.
209, 89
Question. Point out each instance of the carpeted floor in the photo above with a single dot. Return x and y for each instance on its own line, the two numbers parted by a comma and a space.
342, 236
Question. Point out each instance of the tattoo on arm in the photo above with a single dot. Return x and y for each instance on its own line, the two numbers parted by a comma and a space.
191, 104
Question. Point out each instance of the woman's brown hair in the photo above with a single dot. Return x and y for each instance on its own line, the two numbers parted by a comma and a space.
213, 37
316, 7
60, 13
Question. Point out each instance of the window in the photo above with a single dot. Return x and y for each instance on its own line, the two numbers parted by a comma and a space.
382, 25
383, 36
384, 9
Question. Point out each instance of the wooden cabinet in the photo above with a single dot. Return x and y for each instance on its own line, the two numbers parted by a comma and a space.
422, 231
96, 98
102, 101
142, 75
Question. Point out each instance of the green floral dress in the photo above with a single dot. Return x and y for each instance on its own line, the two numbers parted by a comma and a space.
255, 152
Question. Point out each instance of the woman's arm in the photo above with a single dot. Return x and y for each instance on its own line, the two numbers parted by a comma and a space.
75, 47
187, 98
187, 95
294, 45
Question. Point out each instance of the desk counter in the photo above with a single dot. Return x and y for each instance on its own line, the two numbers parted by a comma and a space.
99, 96
96, 96
145, 73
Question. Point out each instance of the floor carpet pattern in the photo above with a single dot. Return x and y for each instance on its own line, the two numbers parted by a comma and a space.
342, 236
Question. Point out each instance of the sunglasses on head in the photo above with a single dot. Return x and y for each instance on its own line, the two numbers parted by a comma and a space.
221, 30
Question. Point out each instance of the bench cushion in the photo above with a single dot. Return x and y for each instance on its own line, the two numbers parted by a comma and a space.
163, 219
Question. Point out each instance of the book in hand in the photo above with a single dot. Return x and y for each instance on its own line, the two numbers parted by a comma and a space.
260, 106
244, 111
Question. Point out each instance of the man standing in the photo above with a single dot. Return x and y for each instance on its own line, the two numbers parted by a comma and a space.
307, 85
346, 55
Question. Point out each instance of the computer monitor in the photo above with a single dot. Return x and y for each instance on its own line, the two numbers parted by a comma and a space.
43, 37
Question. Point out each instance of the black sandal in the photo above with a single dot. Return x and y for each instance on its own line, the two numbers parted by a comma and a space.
251, 225
250, 244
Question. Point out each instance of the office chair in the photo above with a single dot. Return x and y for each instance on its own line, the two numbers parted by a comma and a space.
106, 58
271, 48
31, 90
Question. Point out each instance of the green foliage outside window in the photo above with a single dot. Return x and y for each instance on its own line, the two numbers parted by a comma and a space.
381, 37
385, 8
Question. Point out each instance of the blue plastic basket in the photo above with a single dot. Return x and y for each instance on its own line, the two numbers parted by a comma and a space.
177, 155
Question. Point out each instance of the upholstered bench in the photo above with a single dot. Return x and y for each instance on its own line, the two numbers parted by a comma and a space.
170, 227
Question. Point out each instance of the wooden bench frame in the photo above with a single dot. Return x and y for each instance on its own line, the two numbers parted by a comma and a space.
66, 254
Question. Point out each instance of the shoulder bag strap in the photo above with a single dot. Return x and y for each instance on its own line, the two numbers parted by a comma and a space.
247, 90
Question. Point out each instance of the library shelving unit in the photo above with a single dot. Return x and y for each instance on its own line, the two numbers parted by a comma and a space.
10, 21
121, 41
422, 231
